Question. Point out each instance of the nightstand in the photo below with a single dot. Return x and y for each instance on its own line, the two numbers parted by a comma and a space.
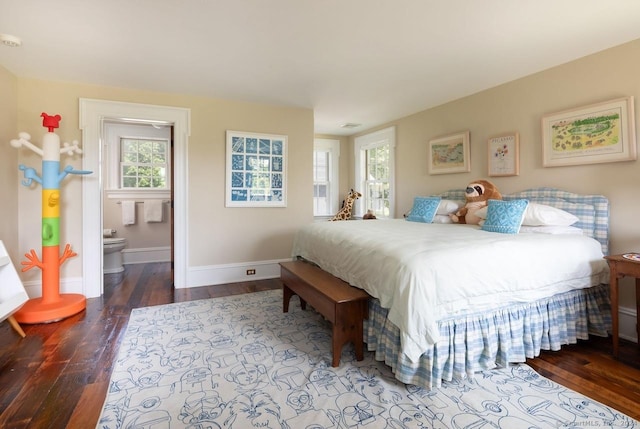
620, 267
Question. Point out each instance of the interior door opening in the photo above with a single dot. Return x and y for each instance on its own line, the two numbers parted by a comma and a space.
93, 114
137, 179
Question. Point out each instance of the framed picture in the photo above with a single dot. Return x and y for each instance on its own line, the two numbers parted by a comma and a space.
256, 170
504, 155
450, 154
603, 132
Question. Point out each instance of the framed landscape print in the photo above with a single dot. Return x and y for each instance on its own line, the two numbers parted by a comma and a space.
603, 132
450, 154
256, 170
504, 156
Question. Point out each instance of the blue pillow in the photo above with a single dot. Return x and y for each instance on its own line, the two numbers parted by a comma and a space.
424, 209
505, 216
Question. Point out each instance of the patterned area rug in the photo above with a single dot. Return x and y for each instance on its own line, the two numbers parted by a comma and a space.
240, 362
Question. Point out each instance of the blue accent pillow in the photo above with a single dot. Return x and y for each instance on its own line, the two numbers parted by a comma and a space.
505, 216
424, 209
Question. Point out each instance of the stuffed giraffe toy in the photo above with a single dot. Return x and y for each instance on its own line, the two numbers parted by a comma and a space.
347, 207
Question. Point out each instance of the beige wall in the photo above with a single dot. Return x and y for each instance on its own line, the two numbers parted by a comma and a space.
217, 235
9, 164
220, 235
519, 106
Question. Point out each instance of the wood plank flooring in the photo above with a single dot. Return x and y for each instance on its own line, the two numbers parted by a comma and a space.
58, 376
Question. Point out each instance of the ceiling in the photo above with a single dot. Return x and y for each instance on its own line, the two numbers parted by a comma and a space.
352, 61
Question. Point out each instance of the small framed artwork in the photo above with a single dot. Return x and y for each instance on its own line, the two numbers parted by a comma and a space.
256, 170
504, 155
450, 154
603, 132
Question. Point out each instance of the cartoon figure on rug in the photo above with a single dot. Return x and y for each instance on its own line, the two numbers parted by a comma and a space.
369, 382
254, 409
247, 377
202, 407
477, 195
347, 206
590, 411
356, 411
414, 415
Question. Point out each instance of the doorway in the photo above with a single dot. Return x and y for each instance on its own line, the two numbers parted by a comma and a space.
136, 170
93, 115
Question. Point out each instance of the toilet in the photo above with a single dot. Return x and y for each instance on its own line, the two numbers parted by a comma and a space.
112, 249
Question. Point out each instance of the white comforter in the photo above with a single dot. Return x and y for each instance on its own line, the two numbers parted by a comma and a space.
426, 272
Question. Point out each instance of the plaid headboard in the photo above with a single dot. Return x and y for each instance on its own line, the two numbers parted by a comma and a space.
593, 210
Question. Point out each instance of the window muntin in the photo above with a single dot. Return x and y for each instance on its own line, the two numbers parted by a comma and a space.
374, 172
377, 182
143, 163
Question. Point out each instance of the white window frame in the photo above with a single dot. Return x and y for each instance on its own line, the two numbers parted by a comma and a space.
164, 165
386, 136
333, 147
114, 132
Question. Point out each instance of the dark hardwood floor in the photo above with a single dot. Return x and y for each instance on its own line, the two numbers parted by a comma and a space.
58, 376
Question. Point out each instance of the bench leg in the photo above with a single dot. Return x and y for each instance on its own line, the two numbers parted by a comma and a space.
348, 328
358, 341
286, 297
361, 310
338, 341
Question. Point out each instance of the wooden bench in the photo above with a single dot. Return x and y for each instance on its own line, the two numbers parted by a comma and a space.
343, 305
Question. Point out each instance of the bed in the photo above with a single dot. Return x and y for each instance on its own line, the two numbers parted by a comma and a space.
450, 300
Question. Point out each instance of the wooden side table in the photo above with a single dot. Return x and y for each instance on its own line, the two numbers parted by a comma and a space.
620, 267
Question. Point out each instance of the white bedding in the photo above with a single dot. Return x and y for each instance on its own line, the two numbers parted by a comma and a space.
426, 272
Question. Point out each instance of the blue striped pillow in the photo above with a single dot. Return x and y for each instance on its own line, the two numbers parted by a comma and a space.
424, 209
505, 216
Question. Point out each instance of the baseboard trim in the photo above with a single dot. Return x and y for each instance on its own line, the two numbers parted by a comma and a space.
145, 255
67, 285
627, 318
232, 273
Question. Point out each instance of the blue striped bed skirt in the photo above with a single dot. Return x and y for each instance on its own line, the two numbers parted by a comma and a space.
491, 339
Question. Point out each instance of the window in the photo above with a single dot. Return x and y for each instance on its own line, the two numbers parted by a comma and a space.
137, 160
143, 163
374, 155
326, 155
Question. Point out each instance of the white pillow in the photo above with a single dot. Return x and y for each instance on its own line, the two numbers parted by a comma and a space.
448, 206
540, 215
544, 215
551, 229
441, 219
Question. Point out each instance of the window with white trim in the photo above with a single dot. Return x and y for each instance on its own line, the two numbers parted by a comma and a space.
143, 163
375, 172
137, 160
326, 158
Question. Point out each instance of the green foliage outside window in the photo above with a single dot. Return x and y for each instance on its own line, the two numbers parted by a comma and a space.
377, 180
143, 164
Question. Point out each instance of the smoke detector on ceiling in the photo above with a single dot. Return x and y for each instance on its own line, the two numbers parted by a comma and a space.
350, 125
11, 41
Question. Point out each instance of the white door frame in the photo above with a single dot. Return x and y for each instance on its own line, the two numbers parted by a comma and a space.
93, 113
